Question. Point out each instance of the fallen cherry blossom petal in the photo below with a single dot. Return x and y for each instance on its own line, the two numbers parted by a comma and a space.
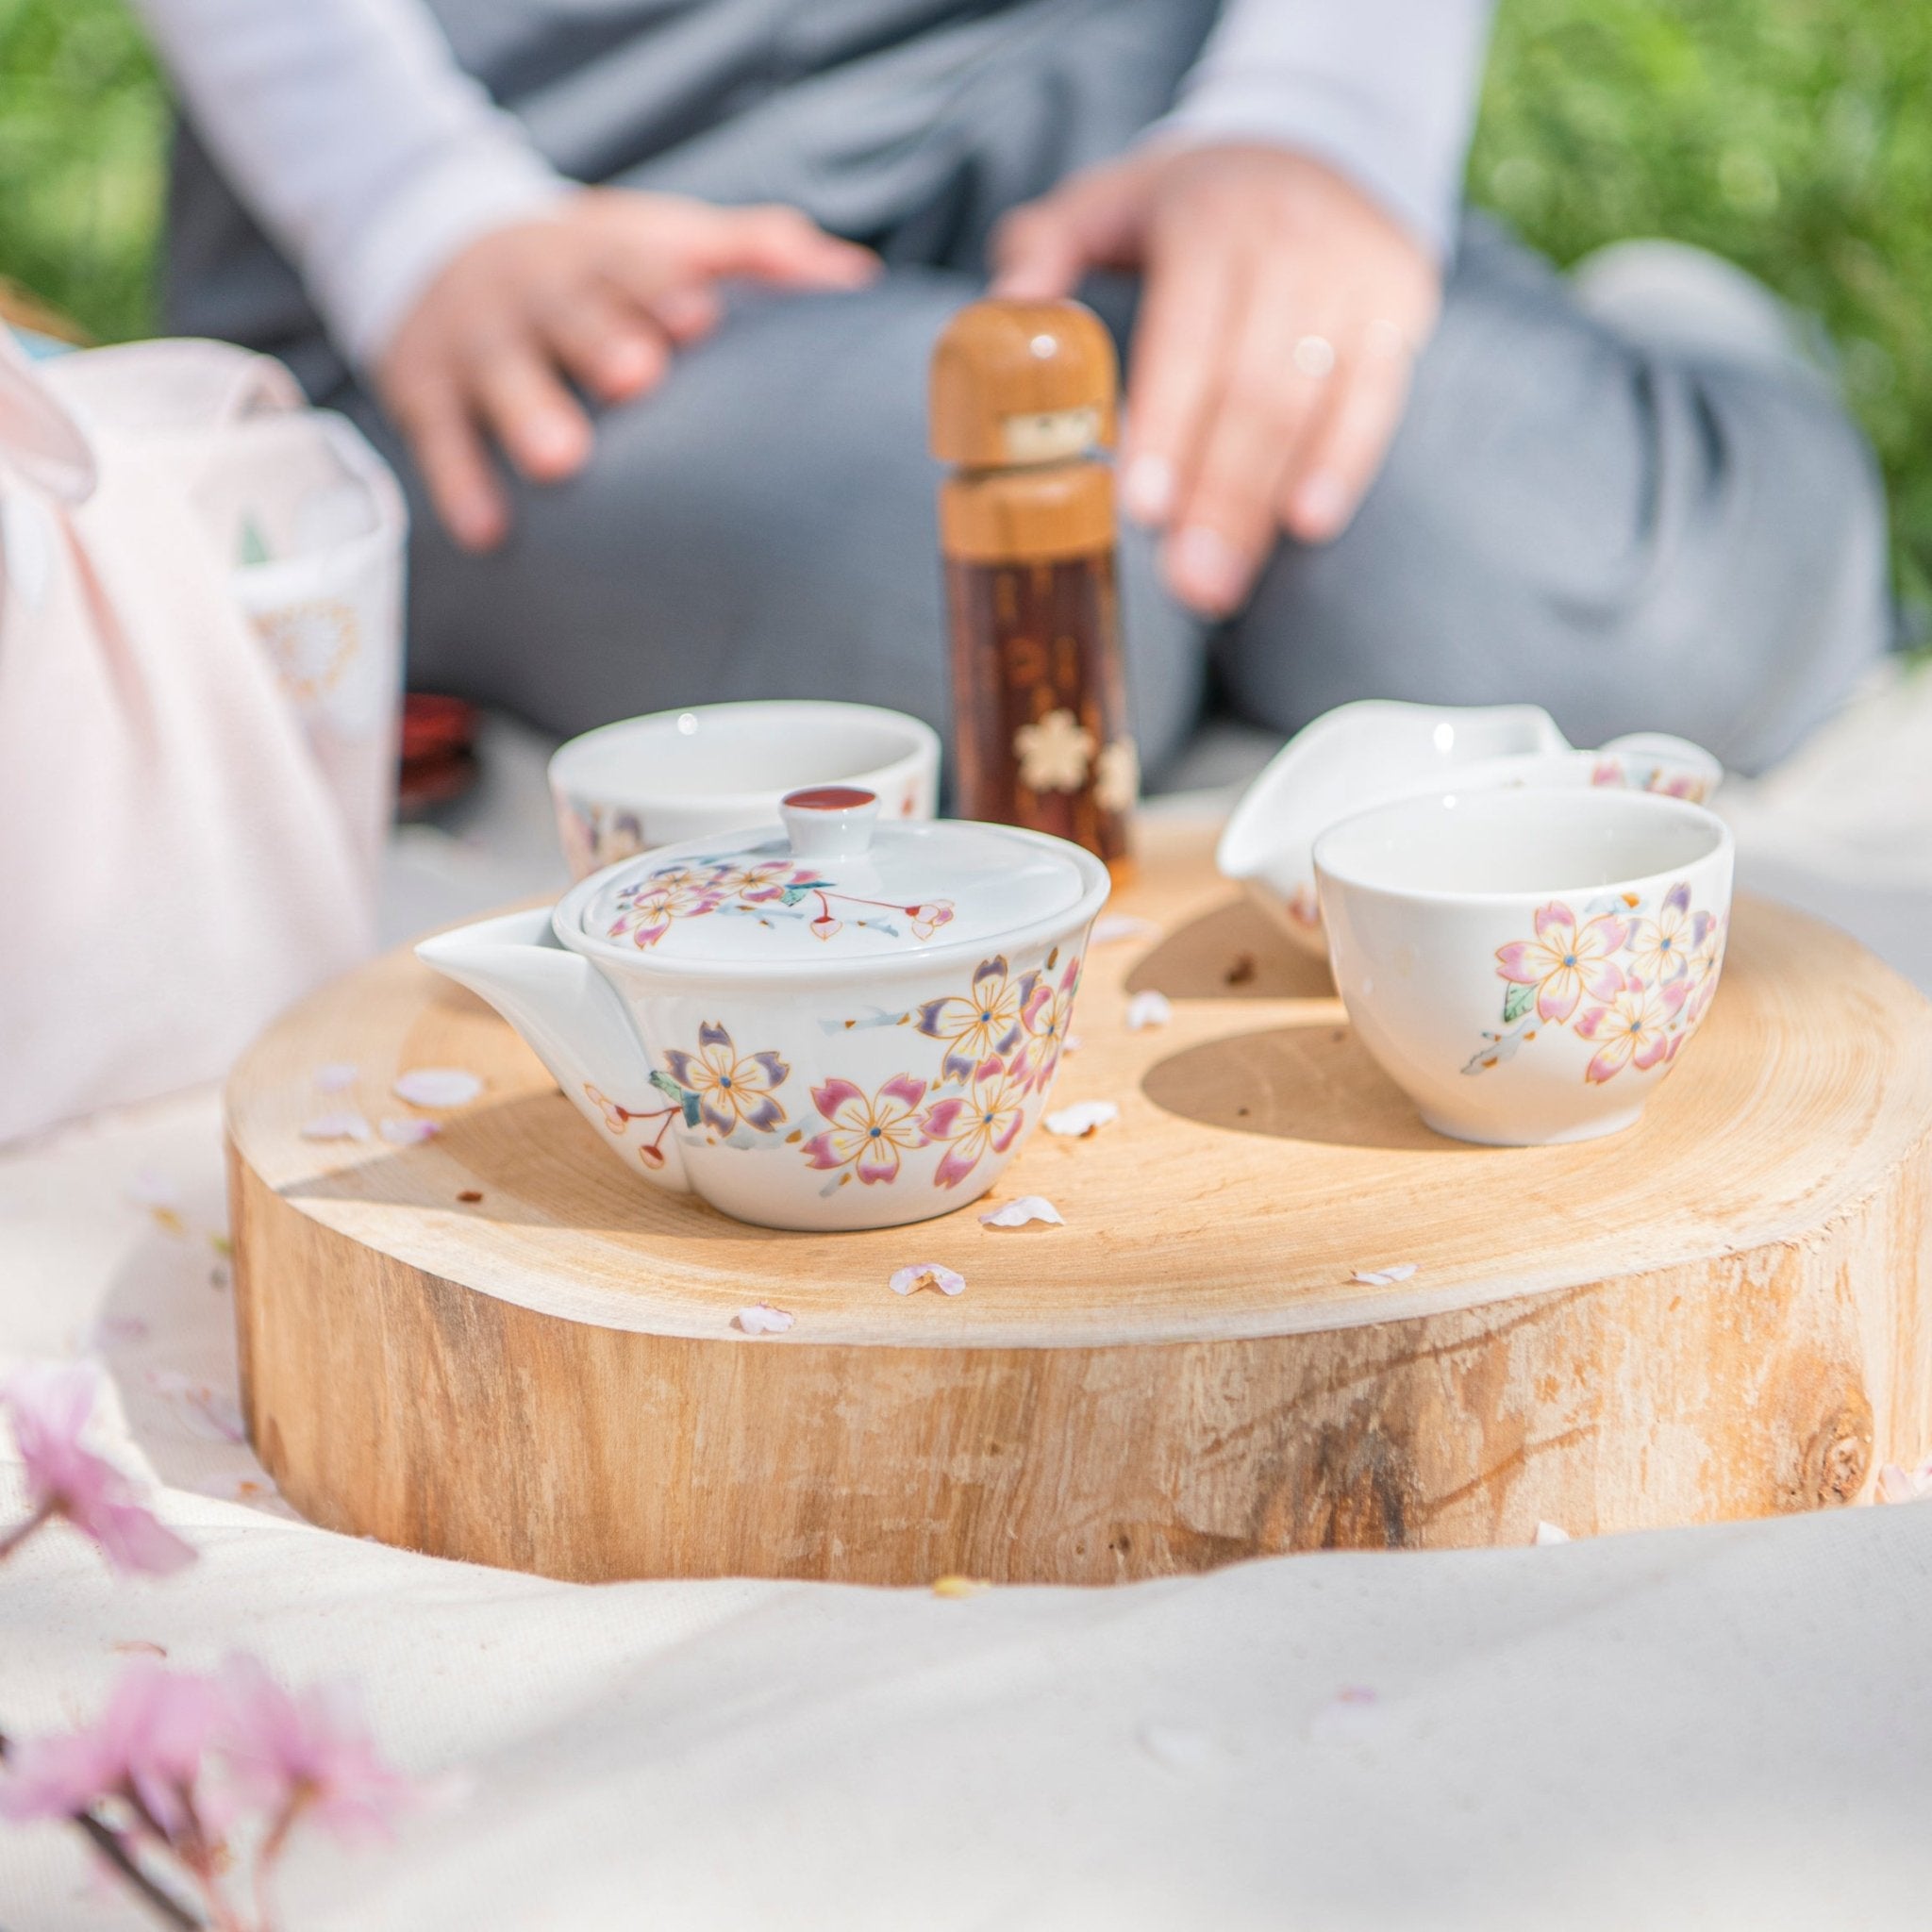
1896, 1485
1026, 1208
929, 1275
437, 1086
338, 1126
1148, 1009
1114, 926
408, 1133
762, 1319
1082, 1118
1383, 1277
1547, 1532
335, 1076
959, 1586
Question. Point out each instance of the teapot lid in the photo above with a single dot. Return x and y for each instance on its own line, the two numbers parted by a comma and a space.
832, 885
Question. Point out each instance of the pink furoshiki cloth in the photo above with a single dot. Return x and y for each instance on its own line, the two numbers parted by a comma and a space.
200, 627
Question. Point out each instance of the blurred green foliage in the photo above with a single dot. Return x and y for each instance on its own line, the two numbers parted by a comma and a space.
1792, 135
83, 131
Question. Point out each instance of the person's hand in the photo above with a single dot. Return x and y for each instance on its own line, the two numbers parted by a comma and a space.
598, 292
1280, 316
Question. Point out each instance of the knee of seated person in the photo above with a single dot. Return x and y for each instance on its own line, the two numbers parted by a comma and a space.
1744, 623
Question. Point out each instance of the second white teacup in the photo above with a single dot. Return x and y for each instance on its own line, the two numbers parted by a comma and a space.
644, 782
1527, 965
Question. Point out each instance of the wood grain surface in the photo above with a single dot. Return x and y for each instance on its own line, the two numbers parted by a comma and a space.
501, 1346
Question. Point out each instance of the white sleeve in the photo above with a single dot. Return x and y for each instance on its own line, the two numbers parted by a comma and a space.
360, 144
1383, 90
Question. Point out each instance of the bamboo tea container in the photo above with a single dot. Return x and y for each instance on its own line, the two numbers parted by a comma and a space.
1022, 395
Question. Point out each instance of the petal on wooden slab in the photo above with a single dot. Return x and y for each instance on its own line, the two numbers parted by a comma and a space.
1082, 1118
928, 1274
1384, 1277
762, 1319
437, 1087
1028, 1207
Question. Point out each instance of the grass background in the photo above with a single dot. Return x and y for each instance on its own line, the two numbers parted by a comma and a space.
1791, 135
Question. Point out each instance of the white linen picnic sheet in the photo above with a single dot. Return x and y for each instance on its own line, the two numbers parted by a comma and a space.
1713, 1728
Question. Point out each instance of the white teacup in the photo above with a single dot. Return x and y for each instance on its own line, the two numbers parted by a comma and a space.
1527, 965
644, 782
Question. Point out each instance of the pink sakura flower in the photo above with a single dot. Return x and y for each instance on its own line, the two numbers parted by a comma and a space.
926, 919
697, 878
1633, 1029
1660, 947
987, 1122
50, 1405
1049, 1014
649, 911
756, 885
1607, 772
146, 1748
1564, 962
868, 1133
294, 1754
176, 1759
981, 1025
1679, 785
731, 1086
1700, 971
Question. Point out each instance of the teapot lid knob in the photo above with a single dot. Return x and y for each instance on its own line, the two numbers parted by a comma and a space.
829, 821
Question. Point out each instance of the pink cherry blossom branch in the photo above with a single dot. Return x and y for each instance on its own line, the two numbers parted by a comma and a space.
113, 1847
22, 1534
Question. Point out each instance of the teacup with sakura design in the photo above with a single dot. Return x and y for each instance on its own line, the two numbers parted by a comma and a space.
1529, 966
644, 782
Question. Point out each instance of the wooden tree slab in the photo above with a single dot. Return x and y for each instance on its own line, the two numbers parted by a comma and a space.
498, 1345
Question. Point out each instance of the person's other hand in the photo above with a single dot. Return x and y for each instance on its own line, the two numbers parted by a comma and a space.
598, 292
1280, 316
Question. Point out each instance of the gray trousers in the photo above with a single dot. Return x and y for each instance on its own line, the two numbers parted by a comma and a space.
1633, 536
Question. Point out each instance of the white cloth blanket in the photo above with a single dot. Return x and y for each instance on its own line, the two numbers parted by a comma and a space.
1723, 1728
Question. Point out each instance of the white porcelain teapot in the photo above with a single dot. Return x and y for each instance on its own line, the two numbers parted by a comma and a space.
841, 1025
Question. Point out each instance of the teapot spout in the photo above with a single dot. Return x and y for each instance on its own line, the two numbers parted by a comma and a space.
575, 1022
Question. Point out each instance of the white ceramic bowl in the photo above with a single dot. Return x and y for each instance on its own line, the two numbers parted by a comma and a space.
1366, 753
1527, 965
844, 1023
644, 782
